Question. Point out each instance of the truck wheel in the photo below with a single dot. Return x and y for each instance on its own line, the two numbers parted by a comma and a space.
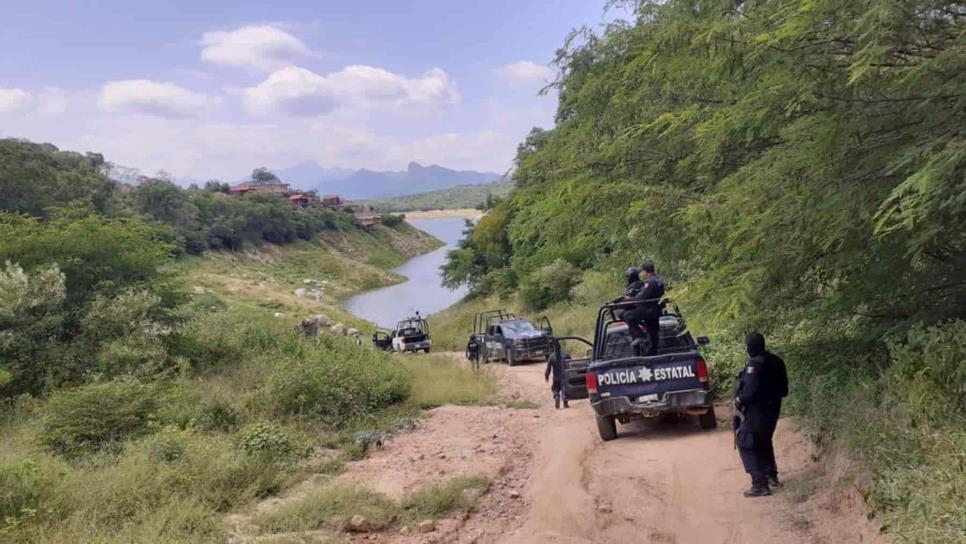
426, 350
607, 428
510, 359
707, 419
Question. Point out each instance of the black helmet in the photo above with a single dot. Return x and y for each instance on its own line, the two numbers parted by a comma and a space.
632, 273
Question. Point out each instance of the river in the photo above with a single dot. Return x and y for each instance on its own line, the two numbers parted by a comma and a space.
423, 290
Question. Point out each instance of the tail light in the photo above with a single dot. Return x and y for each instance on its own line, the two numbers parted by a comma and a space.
591, 383
702, 368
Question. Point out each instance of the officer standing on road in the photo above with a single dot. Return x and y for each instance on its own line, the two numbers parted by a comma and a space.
648, 311
763, 385
555, 367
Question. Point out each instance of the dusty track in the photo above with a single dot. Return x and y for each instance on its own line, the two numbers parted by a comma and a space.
663, 481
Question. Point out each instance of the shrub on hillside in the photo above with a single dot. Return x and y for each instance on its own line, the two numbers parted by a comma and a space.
928, 371
336, 381
218, 415
392, 220
23, 486
549, 284
271, 443
169, 487
98, 417
125, 336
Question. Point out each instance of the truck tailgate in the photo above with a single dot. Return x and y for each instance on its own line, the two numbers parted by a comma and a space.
637, 377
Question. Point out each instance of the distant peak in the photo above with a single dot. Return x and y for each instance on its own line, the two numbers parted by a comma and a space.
414, 167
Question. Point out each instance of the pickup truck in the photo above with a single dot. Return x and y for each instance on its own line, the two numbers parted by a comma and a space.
410, 335
500, 335
623, 385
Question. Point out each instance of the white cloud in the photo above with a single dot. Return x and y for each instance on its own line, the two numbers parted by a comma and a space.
52, 101
154, 98
291, 90
263, 47
14, 100
525, 72
300, 92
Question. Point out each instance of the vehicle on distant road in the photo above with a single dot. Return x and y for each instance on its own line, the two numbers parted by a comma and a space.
623, 385
410, 335
499, 335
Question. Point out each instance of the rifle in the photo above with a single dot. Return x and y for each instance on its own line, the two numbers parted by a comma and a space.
737, 417
737, 411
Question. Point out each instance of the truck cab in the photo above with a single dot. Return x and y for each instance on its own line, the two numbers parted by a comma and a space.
623, 385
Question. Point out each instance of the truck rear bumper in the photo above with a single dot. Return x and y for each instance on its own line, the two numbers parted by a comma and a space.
693, 401
417, 346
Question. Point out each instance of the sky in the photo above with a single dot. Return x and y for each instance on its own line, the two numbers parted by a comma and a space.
212, 89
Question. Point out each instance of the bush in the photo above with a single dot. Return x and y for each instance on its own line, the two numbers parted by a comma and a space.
928, 372
98, 417
335, 381
392, 220
269, 442
124, 335
218, 415
548, 285
23, 487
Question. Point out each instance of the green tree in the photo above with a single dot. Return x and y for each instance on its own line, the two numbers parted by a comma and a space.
263, 175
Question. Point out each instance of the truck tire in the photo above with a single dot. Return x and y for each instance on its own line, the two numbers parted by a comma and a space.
607, 428
707, 419
510, 359
426, 350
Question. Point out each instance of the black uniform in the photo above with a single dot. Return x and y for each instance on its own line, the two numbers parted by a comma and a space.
647, 312
555, 367
764, 382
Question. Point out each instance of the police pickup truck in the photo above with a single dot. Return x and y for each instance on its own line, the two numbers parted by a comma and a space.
623, 385
499, 335
410, 335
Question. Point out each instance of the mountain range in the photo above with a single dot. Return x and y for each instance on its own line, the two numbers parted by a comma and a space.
368, 184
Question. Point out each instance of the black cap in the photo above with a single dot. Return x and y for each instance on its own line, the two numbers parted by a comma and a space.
755, 343
648, 266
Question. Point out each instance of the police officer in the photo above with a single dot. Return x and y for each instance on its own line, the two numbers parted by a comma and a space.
763, 385
634, 285
648, 311
555, 367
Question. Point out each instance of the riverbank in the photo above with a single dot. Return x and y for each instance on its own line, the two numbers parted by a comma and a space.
421, 290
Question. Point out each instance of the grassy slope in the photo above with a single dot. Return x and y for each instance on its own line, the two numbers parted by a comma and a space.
462, 196
267, 277
175, 484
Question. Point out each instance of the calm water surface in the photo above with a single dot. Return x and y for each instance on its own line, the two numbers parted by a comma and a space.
423, 291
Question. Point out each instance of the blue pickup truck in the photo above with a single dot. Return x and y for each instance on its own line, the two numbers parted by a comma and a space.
622, 385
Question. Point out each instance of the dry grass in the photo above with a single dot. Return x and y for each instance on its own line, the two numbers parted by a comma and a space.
333, 506
439, 379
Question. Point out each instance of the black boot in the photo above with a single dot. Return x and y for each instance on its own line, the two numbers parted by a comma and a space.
758, 490
773, 481
566, 404
556, 402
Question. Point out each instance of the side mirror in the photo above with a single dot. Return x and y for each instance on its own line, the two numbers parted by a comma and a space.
703, 340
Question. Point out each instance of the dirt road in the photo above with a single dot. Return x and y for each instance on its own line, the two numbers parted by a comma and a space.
555, 481
667, 481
